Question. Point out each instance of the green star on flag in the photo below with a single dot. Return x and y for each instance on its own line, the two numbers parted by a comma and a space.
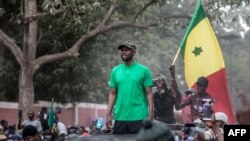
197, 51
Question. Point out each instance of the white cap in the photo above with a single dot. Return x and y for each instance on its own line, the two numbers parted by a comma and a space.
197, 121
221, 116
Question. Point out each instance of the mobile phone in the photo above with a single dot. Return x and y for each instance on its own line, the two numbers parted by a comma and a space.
99, 123
20, 113
207, 105
189, 132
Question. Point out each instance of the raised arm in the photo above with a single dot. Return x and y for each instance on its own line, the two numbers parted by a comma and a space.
174, 83
181, 104
19, 123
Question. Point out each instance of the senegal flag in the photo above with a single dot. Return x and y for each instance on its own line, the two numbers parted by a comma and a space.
203, 57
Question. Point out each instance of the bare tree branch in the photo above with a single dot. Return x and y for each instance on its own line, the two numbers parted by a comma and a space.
229, 36
108, 15
12, 46
41, 15
144, 8
98, 31
73, 51
36, 64
177, 17
101, 28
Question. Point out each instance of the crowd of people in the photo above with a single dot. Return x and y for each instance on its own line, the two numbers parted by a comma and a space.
133, 108
36, 128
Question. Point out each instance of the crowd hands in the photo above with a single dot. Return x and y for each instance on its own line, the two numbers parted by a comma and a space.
36, 128
203, 130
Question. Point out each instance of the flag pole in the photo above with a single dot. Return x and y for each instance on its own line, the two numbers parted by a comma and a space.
176, 56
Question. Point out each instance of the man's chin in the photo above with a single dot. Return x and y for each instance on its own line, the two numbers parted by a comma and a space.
125, 59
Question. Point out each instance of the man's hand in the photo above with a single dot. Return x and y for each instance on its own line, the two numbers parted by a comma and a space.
172, 70
179, 133
151, 117
108, 123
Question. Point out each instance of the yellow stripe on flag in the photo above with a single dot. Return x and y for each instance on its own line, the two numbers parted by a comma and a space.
202, 54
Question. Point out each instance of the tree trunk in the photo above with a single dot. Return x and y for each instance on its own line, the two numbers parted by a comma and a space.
26, 89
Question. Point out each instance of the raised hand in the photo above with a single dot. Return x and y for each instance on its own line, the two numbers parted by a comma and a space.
243, 114
172, 70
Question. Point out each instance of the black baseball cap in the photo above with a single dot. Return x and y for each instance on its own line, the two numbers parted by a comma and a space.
203, 81
128, 45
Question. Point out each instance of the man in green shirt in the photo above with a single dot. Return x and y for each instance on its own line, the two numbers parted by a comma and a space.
130, 96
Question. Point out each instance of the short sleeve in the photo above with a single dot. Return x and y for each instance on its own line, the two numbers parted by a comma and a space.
148, 78
111, 82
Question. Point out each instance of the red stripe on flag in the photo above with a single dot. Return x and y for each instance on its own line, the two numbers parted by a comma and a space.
218, 89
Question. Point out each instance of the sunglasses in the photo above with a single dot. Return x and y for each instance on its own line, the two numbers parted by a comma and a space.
160, 81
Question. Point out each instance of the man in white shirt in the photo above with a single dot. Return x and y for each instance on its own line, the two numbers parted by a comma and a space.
30, 121
61, 128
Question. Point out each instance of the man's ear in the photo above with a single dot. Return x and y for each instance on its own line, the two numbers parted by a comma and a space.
134, 51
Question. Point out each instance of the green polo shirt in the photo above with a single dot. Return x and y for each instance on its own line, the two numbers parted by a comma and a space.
130, 82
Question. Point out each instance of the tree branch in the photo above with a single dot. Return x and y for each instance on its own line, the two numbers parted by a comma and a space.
12, 46
144, 8
229, 36
98, 31
177, 17
41, 15
108, 15
37, 63
101, 28
73, 51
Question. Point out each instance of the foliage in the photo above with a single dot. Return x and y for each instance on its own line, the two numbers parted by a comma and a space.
9, 77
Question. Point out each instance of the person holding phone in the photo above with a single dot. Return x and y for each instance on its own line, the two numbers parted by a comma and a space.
213, 130
189, 132
195, 100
